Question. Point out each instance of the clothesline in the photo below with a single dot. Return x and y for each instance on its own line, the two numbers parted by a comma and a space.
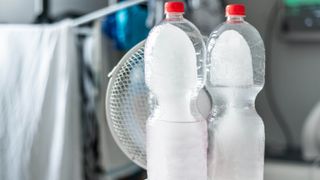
106, 11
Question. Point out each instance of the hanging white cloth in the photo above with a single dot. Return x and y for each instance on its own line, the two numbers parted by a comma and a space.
39, 103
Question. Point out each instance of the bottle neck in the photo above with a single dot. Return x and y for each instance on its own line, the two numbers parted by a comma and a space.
174, 16
235, 19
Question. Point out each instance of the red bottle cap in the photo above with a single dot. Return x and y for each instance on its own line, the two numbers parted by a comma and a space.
235, 10
174, 7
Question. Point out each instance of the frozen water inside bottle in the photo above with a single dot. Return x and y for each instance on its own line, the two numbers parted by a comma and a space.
236, 76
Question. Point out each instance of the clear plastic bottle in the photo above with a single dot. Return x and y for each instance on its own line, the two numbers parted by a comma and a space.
236, 65
175, 56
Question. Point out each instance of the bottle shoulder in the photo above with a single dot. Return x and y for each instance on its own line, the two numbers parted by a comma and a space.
185, 25
180, 44
249, 32
245, 45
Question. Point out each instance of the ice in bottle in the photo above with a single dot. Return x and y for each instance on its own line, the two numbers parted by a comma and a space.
174, 72
236, 72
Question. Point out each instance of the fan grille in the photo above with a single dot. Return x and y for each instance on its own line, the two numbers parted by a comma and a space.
129, 108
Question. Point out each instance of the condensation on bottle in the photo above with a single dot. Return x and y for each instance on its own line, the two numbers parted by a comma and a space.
175, 56
236, 70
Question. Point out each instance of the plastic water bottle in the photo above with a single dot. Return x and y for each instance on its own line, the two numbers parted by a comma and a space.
175, 56
236, 67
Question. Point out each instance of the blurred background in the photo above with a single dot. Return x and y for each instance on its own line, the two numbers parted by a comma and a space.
54, 76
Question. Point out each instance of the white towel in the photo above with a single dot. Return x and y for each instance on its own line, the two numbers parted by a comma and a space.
39, 103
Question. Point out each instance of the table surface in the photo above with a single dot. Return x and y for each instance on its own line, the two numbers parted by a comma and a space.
280, 170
